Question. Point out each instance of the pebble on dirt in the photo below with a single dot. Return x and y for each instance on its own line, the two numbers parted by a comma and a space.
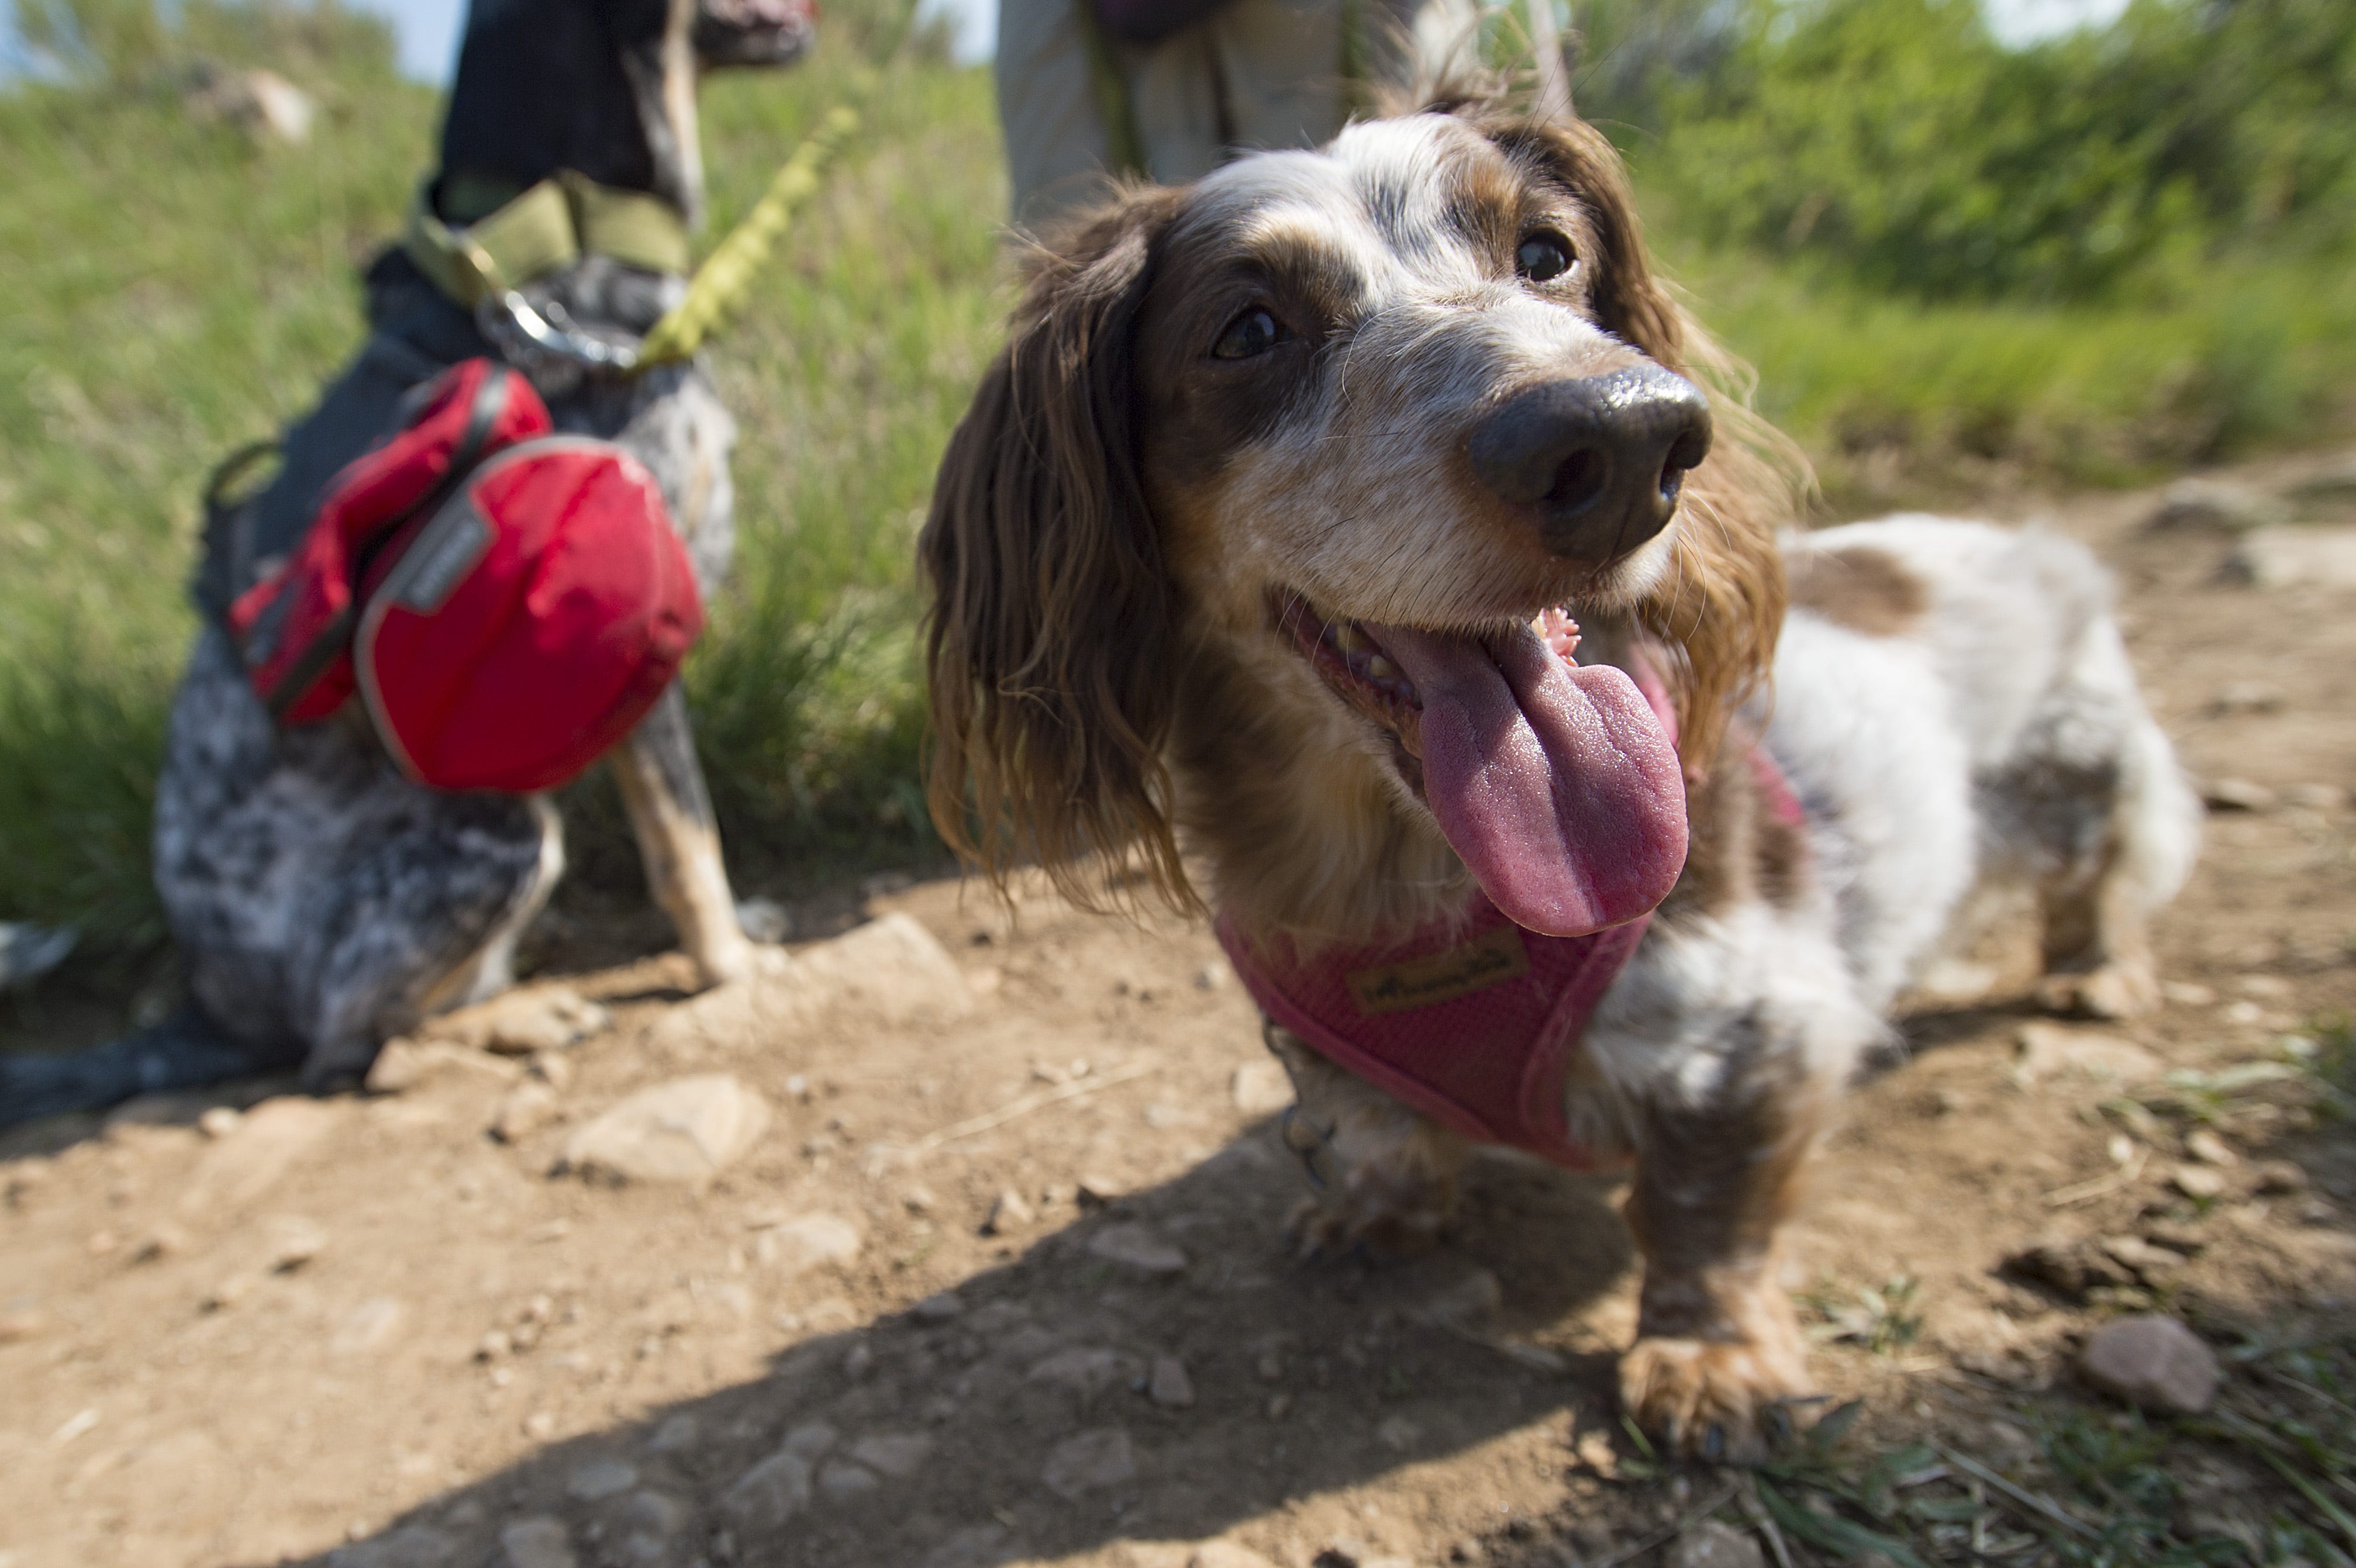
2153, 1361
2236, 795
599, 1480
2215, 503
1008, 1215
1137, 1247
688, 1129
1169, 1386
1261, 1089
1712, 1545
535, 1544
804, 1242
769, 1494
1089, 1461
527, 1108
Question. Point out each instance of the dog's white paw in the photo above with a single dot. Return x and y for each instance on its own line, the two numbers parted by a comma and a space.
1724, 1401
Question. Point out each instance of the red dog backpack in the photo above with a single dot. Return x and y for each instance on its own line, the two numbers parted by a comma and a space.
509, 602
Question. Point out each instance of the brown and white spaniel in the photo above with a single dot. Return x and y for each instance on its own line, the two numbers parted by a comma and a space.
1349, 525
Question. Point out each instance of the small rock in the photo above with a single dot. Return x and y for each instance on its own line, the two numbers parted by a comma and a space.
2044, 1050
2215, 503
686, 1130
804, 1242
858, 1360
2153, 1361
1278, 1406
599, 1480
1087, 1370
25, 1324
1398, 1434
523, 1022
844, 1481
1466, 1307
811, 1440
536, 1543
2274, 1175
1214, 975
1261, 1088
2287, 558
1098, 1191
676, 1434
1008, 1215
1226, 1554
1169, 1386
2209, 1149
493, 1345
658, 1515
367, 1325
2236, 795
540, 1425
1089, 1461
411, 1546
767, 1496
2198, 1182
402, 1064
918, 1199
527, 1108
1595, 1452
163, 1242
2246, 697
229, 1292
763, 919
1714, 1544
1137, 1247
263, 104
2147, 1263
220, 1121
2188, 994
895, 1454
938, 1309
293, 1241
2185, 1239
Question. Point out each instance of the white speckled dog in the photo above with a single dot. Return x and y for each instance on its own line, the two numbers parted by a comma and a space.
1265, 539
320, 901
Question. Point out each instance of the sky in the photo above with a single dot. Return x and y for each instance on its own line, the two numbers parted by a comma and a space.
429, 28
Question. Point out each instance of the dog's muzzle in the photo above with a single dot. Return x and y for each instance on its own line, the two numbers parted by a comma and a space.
1602, 458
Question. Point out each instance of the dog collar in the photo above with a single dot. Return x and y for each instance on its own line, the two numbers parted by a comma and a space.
551, 225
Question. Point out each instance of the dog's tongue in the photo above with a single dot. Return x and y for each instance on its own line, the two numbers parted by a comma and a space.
1554, 781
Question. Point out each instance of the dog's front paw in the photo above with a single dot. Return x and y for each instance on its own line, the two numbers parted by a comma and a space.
1717, 1400
722, 956
1387, 1226
2117, 990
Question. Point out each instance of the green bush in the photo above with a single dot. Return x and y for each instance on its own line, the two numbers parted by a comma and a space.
1899, 141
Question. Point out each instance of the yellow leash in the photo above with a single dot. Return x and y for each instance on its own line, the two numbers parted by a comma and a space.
722, 284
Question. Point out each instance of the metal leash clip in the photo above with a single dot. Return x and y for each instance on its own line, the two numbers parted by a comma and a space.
542, 341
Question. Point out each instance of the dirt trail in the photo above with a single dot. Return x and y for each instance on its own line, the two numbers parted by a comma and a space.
366, 1331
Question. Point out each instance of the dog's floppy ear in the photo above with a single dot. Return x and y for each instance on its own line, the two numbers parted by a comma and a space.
1050, 634
1721, 603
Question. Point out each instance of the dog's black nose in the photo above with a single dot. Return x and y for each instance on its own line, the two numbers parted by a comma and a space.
1602, 457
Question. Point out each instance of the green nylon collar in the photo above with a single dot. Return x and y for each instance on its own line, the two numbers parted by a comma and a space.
551, 225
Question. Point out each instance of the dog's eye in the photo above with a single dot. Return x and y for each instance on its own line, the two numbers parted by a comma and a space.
1250, 334
1544, 257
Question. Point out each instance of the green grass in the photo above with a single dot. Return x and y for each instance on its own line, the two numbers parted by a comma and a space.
179, 292
176, 292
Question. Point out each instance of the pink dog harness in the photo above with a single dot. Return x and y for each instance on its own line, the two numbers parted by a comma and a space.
1473, 1020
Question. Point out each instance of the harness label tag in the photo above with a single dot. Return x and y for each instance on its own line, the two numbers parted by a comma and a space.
1490, 959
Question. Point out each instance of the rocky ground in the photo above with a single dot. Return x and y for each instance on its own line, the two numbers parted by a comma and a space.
958, 1239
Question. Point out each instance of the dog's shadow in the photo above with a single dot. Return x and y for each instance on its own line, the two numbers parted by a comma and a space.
1026, 1421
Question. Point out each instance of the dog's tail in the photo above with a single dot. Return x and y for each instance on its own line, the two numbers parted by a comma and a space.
186, 1050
